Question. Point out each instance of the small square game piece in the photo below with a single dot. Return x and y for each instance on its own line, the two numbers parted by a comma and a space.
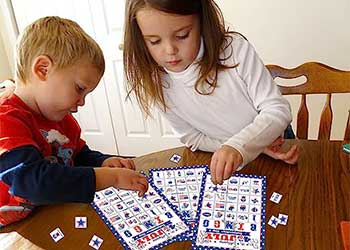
57, 234
273, 222
283, 219
95, 242
276, 197
80, 222
175, 158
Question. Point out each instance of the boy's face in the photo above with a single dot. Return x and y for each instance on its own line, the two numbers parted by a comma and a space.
64, 90
172, 40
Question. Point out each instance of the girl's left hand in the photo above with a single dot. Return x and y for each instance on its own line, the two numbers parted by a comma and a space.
275, 151
118, 162
6, 89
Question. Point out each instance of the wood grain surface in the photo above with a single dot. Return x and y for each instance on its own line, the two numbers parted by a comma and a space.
316, 196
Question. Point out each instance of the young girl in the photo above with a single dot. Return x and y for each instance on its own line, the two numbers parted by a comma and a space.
208, 82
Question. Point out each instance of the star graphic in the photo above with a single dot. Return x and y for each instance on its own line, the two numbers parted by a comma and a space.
81, 222
274, 222
96, 242
283, 219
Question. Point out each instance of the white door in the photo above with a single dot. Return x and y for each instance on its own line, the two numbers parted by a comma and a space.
109, 123
135, 135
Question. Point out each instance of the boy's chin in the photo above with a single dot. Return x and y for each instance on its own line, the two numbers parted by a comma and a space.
56, 117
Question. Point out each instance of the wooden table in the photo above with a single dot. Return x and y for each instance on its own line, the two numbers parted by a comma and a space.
316, 196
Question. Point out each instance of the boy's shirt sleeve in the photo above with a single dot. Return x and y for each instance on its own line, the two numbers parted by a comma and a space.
41, 181
26, 170
88, 157
14, 130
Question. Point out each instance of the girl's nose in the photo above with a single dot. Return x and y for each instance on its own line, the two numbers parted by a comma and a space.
171, 49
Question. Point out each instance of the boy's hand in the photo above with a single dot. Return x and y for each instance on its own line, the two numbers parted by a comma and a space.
121, 178
275, 151
223, 163
118, 162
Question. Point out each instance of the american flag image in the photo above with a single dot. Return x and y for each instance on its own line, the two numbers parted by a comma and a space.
220, 205
183, 197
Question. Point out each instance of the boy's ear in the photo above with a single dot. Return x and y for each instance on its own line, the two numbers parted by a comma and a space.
41, 67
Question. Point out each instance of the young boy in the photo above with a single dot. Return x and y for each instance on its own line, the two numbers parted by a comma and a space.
58, 64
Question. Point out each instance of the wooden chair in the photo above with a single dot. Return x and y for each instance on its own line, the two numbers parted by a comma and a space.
321, 79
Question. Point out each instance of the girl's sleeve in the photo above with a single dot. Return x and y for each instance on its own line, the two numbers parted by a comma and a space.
42, 181
191, 137
274, 113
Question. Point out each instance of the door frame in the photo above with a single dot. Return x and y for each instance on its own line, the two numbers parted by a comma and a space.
10, 32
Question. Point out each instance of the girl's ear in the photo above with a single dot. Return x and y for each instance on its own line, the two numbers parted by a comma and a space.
41, 67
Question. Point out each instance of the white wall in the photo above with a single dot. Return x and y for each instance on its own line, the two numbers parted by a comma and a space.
289, 33
292, 32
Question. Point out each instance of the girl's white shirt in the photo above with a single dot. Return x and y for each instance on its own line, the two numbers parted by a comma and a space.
245, 111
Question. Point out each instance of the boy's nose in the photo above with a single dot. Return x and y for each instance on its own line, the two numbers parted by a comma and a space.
81, 101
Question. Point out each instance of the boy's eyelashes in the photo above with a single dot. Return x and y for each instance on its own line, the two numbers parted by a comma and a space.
79, 89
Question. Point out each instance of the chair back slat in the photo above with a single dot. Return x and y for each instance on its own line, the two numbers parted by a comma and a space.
324, 132
303, 119
320, 79
347, 129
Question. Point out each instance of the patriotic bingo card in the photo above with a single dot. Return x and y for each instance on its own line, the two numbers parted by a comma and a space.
148, 222
181, 186
232, 215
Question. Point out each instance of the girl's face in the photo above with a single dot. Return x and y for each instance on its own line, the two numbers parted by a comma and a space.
172, 40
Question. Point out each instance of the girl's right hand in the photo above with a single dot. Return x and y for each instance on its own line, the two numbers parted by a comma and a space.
223, 163
6, 89
121, 178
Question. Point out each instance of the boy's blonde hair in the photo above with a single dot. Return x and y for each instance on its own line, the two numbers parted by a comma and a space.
62, 40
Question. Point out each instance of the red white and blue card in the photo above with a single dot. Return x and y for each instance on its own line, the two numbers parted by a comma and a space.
232, 215
181, 185
148, 222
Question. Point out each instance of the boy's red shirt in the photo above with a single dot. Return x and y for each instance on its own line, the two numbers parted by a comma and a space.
20, 126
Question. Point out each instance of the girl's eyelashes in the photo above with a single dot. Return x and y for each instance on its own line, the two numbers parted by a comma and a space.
183, 36
179, 37
154, 42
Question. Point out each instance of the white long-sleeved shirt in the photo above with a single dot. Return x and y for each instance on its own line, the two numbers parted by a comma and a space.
245, 111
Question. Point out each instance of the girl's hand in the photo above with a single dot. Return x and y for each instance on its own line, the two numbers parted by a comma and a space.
6, 89
223, 163
275, 151
121, 178
118, 162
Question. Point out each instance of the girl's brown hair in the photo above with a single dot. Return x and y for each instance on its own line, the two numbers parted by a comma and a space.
142, 73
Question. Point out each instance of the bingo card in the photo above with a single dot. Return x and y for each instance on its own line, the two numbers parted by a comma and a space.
181, 186
148, 222
232, 215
